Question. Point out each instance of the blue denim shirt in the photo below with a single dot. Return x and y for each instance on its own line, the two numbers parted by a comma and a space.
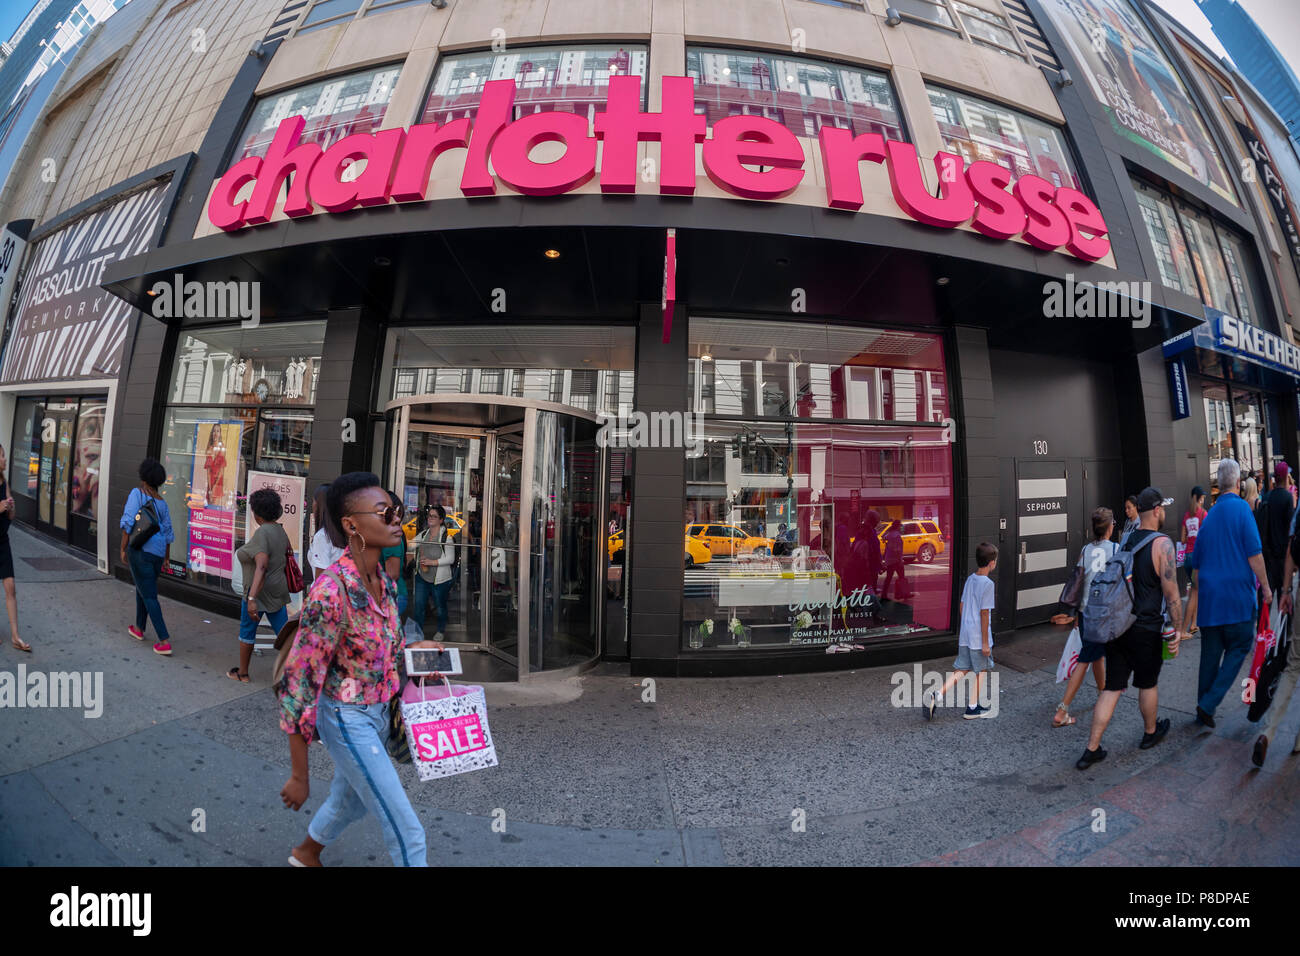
157, 545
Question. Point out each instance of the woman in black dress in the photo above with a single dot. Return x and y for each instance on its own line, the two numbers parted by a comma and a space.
7, 558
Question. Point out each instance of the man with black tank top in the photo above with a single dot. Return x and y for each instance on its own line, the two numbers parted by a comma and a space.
1136, 652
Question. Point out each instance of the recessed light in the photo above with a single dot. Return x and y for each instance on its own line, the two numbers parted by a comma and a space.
150, 292
706, 357
942, 280
383, 261
552, 253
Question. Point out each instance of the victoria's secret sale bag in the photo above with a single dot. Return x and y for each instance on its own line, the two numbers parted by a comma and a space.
447, 729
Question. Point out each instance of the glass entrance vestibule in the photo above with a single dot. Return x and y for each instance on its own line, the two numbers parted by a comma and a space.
520, 485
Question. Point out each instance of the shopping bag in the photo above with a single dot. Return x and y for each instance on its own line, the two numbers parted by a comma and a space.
1265, 644
1270, 673
1069, 656
447, 729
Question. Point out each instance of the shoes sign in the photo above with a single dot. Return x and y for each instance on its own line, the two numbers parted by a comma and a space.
398, 163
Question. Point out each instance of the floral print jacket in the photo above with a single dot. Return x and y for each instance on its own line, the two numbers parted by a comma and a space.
345, 652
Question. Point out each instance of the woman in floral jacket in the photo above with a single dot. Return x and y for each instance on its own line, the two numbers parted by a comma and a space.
339, 677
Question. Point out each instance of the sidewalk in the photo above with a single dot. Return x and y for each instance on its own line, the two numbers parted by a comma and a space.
712, 772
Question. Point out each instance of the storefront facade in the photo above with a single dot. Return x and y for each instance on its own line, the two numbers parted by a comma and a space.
714, 370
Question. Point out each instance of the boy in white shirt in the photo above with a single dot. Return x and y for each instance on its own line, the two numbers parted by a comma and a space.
975, 639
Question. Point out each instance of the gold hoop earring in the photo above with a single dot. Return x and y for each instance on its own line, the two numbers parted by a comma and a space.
357, 534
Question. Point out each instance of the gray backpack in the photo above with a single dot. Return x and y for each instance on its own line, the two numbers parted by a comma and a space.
1109, 612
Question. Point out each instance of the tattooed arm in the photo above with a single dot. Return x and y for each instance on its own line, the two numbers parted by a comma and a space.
1167, 567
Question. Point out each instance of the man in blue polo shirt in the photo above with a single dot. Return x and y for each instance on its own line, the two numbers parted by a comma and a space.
1225, 566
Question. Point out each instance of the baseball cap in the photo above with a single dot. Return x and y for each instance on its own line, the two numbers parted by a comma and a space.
1281, 469
1198, 491
1149, 498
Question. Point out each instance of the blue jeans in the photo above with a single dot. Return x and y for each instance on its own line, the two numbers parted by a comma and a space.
1223, 648
401, 603
364, 780
420, 602
145, 568
248, 627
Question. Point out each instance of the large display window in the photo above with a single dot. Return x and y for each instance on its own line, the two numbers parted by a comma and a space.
333, 108
570, 79
802, 95
799, 532
586, 367
240, 410
979, 130
54, 465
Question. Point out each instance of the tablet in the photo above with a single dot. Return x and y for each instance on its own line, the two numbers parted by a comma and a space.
429, 660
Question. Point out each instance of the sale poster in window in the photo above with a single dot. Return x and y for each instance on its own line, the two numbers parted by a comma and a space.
213, 484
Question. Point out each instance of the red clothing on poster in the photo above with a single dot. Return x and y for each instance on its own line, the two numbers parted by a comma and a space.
215, 466
1192, 525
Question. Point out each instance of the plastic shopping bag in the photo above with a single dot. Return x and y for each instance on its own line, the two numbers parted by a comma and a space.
447, 729
1069, 656
1265, 645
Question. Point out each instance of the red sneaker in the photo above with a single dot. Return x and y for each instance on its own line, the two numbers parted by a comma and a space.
163, 648
135, 632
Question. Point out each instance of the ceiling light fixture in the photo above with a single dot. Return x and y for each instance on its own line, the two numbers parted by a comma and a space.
706, 357
552, 253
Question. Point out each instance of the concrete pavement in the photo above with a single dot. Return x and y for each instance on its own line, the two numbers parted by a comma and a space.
712, 772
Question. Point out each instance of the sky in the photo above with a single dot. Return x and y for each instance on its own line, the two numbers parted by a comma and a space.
1280, 19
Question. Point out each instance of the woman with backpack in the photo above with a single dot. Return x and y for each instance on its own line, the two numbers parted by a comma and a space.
264, 560
1092, 559
339, 677
143, 550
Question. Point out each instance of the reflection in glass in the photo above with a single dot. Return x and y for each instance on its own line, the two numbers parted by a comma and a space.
797, 520
85, 463
563, 78
802, 95
563, 585
271, 364
980, 130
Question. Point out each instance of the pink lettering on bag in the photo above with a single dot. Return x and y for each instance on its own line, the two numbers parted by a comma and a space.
440, 739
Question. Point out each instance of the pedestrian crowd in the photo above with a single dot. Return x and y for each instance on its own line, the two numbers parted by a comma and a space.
1138, 599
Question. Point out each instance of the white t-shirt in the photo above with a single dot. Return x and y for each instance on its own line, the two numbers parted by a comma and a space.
976, 596
323, 551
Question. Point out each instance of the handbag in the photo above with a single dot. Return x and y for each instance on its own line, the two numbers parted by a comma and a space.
447, 729
292, 572
144, 527
1270, 672
1072, 593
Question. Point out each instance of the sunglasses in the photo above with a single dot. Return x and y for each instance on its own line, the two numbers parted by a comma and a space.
388, 515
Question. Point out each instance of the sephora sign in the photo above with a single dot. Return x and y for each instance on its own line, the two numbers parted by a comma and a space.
399, 162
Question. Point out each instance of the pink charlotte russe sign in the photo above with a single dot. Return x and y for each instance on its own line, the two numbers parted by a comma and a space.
399, 162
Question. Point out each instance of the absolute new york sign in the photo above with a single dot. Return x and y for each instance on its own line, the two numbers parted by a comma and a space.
751, 157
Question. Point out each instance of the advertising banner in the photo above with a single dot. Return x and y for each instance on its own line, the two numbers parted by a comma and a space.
213, 482
11, 257
1276, 190
1179, 403
292, 490
67, 327
1143, 95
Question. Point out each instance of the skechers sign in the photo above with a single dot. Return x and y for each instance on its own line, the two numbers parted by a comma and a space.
1228, 335
398, 163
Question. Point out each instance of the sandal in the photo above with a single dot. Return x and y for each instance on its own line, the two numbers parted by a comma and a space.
235, 674
22, 645
1069, 721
